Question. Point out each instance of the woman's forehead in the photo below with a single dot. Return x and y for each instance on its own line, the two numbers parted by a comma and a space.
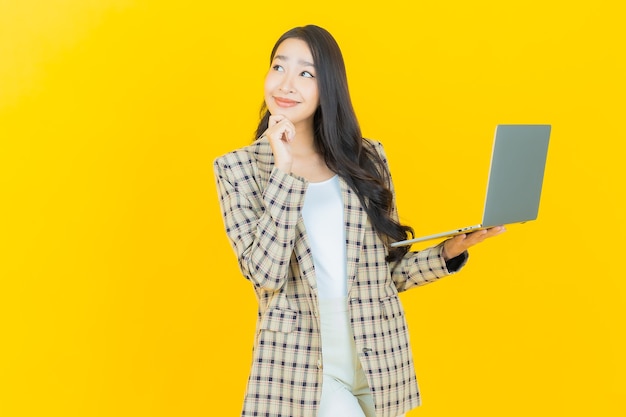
294, 49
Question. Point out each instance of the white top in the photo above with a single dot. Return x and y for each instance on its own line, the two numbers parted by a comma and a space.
323, 218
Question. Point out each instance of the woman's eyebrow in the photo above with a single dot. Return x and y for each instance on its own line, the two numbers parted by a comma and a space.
300, 61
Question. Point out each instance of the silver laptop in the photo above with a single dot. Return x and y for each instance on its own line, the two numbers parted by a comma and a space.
518, 161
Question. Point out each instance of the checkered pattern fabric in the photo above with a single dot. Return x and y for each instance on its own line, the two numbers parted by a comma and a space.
261, 208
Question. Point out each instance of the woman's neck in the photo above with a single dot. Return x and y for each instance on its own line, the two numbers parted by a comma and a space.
307, 161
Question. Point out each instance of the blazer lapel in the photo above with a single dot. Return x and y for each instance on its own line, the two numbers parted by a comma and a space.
304, 257
355, 219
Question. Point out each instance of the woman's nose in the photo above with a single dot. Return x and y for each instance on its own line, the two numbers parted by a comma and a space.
286, 85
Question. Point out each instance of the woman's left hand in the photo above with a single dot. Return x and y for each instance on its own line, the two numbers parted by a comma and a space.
455, 246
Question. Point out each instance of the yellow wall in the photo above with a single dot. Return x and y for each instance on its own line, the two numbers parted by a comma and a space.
119, 294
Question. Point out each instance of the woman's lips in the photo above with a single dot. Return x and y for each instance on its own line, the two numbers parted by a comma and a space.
285, 102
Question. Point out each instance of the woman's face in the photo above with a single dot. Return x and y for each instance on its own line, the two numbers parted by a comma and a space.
290, 84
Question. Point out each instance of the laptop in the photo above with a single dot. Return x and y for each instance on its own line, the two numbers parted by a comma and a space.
518, 162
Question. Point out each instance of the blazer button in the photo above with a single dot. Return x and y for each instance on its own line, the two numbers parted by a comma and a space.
319, 364
367, 350
315, 313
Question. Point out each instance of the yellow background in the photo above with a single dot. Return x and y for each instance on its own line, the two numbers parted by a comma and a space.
119, 294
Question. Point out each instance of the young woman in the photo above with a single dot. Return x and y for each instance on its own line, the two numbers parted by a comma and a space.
309, 210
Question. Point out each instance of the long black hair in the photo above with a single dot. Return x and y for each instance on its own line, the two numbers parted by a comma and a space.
338, 136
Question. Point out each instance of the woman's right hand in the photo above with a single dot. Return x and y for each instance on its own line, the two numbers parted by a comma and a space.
280, 132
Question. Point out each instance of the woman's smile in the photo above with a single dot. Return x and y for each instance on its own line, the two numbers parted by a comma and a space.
285, 102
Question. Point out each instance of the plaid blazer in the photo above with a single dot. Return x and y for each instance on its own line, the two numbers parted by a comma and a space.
261, 208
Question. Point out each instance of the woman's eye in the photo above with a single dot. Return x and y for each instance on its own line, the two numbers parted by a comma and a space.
307, 74
278, 68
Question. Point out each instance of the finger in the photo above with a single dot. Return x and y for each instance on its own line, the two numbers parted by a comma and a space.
282, 123
290, 130
480, 235
494, 231
286, 129
282, 132
275, 119
459, 238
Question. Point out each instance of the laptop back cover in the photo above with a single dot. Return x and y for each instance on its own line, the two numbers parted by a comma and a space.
516, 174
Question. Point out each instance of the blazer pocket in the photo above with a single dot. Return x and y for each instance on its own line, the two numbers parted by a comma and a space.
279, 320
391, 307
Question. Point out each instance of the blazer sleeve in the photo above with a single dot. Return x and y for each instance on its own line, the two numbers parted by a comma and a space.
260, 221
418, 267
